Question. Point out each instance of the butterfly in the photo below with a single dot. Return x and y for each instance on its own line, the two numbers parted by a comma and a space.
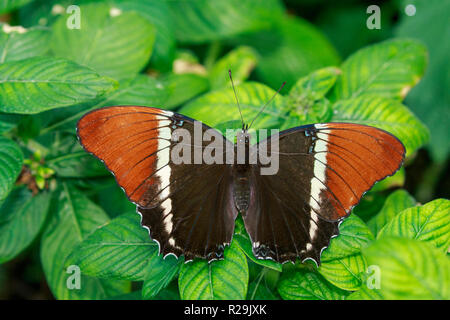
190, 208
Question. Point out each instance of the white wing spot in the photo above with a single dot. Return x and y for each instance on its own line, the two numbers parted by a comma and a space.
164, 173
317, 181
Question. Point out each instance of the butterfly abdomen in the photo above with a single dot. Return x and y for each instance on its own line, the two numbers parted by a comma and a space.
241, 186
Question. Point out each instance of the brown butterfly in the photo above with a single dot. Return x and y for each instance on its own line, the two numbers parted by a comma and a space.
190, 208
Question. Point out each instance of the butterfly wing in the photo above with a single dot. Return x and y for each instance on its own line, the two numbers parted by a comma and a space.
324, 170
187, 208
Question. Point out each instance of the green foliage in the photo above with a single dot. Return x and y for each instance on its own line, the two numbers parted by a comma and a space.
9, 5
388, 69
157, 13
430, 223
120, 249
342, 263
387, 114
66, 209
11, 159
241, 60
220, 106
307, 100
432, 28
225, 279
21, 218
410, 269
394, 204
263, 286
15, 45
307, 285
75, 217
183, 87
292, 49
49, 83
116, 46
159, 274
202, 20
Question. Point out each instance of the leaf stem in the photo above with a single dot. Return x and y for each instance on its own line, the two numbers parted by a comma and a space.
212, 54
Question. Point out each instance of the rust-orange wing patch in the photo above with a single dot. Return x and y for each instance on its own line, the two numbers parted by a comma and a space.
127, 139
354, 158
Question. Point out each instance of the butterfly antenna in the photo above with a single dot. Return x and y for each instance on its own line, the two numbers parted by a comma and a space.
237, 100
267, 103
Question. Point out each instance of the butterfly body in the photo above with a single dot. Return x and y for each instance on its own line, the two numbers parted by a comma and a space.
292, 201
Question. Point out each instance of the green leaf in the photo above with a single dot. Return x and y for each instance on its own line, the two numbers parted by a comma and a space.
9, 121
157, 13
345, 25
9, 5
430, 99
307, 100
387, 114
28, 128
307, 285
259, 288
347, 273
370, 205
241, 61
74, 218
292, 49
169, 293
365, 293
395, 181
394, 204
182, 87
353, 235
133, 295
77, 165
388, 69
218, 280
21, 218
410, 269
120, 249
315, 85
11, 159
47, 83
160, 273
114, 43
140, 90
342, 263
113, 200
19, 44
197, 21
430, 223
220, 106
260, 292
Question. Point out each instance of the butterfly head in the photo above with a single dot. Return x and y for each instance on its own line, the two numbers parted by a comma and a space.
244, 136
